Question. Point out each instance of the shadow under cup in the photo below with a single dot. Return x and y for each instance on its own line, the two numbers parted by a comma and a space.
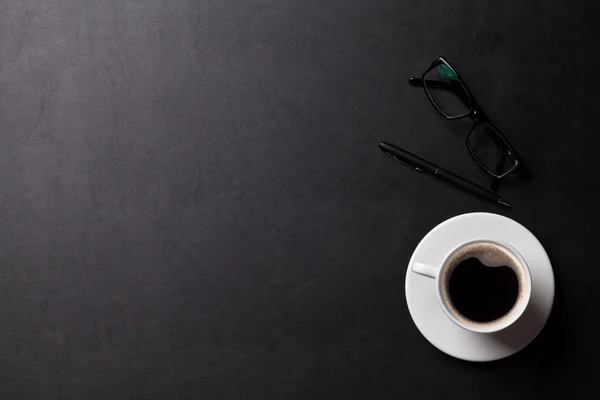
490, 254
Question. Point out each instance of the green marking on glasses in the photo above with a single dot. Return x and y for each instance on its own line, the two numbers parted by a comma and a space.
445, 72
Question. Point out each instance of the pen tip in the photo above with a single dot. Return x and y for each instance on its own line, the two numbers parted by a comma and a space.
504, 203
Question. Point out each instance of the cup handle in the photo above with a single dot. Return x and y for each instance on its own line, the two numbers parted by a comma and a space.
425, 270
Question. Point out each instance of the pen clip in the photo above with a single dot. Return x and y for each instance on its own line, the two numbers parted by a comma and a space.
403, 163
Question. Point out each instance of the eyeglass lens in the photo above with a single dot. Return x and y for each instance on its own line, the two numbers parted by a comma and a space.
446, 91
490, 150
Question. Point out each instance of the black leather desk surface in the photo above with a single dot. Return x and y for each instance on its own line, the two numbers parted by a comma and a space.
193, 204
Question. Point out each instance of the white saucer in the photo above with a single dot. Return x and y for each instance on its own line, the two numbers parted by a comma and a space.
438, 328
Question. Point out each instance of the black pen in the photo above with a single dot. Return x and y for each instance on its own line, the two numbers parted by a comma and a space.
420, 165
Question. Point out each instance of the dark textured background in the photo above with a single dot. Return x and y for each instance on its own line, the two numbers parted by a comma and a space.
193, 204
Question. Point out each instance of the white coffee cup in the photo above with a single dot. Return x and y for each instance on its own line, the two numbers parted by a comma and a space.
492, 253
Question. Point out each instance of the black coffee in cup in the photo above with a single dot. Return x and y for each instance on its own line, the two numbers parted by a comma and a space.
483, 284
483, 293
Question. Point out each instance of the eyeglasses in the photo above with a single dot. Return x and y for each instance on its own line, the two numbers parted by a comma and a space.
449, 95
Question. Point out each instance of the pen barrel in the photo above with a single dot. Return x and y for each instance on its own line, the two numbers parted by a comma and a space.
466, 185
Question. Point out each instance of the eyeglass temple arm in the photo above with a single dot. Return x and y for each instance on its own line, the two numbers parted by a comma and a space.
457, 90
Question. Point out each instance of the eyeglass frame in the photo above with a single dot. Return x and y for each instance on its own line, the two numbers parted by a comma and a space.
475, 113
